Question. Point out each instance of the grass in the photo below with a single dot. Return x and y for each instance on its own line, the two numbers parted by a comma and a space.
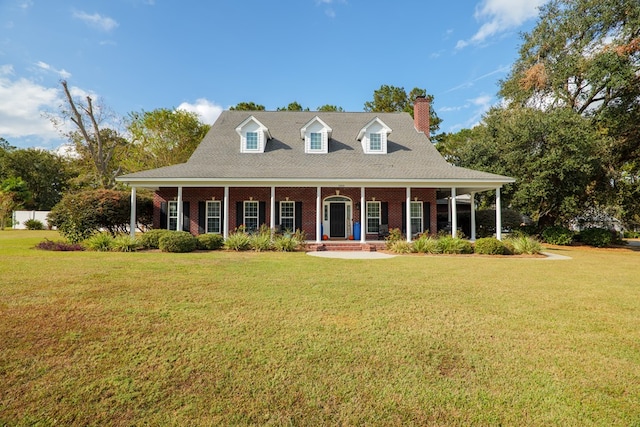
228, 338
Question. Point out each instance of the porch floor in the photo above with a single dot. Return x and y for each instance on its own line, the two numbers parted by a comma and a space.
345, 245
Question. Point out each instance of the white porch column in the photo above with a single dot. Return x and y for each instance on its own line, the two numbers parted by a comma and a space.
318, 214
132, 222
473, 216
407, 214
225, 225
272, 219
179, 222
363, 206
498, 215
454, 213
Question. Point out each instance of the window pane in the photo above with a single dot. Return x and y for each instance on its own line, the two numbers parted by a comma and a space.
315, 141
416, 225
416, 209
173, 215
213, 217
287, 215
252, 140
375, 143
373, 217
251, 215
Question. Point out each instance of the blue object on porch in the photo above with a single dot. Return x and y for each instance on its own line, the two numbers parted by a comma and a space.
356, 231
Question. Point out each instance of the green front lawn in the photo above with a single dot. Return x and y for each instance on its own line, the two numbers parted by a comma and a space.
221, 338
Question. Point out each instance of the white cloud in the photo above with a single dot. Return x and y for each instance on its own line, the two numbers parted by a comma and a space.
22, 107
499, 16
205, 109
327, 4
96, 20
62, 73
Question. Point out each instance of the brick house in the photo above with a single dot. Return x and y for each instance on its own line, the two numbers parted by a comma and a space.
331, 174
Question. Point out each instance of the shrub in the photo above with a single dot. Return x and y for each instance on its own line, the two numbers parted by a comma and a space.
632, 234
395, 235
49, 245
79, 215
489, 246
286, 243
400, 247
426, 245
177, 242
151, 239
523, 245
261, 242
210, 242
557, 235
454, 245
101, 242
125, 243
598, 237
238, 242
34, 224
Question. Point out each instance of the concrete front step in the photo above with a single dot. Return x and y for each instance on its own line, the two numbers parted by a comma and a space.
337, 246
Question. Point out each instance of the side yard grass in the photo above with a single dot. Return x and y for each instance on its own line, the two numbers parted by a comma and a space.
228, 338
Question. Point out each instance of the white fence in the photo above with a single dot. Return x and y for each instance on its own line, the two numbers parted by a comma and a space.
19, 217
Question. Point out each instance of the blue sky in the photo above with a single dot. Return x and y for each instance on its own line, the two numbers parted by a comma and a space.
206, 56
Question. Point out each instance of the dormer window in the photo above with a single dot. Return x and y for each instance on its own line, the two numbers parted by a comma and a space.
375, 142
253, 136
373, 137
252, 141
315, 141
316, 135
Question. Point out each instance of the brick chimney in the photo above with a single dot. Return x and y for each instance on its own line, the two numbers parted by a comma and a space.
421, 114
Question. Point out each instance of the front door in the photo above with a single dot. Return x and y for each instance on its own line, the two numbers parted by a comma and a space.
337, 219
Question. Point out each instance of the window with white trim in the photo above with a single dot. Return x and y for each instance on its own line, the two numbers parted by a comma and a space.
288, 216
416, 217
252, 141
375, 142
214, 217
373, 217
315, 141
251, 215
172, 215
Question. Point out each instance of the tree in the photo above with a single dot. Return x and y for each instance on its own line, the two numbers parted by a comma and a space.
330, 108
553, 156
585, 55
248, 106
389, 99
293, 106
13, 195
98, 144
78, 215
162, 137
46, 175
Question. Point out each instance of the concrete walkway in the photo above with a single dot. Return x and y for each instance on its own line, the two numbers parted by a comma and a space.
351, 255
379, 255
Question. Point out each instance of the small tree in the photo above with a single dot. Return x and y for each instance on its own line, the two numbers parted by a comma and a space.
79, 215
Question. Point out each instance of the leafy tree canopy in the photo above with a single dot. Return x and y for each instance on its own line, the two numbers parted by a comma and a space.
247, 106
294, 106
389, 99
330, 108
162, 137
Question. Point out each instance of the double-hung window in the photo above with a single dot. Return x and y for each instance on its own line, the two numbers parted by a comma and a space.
251, 215
375, 142
373, 217
416, 217
213, 216
172, 215
287, 215
315, 141
252, 140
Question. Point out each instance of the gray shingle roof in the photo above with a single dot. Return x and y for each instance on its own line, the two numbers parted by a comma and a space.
410, 154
